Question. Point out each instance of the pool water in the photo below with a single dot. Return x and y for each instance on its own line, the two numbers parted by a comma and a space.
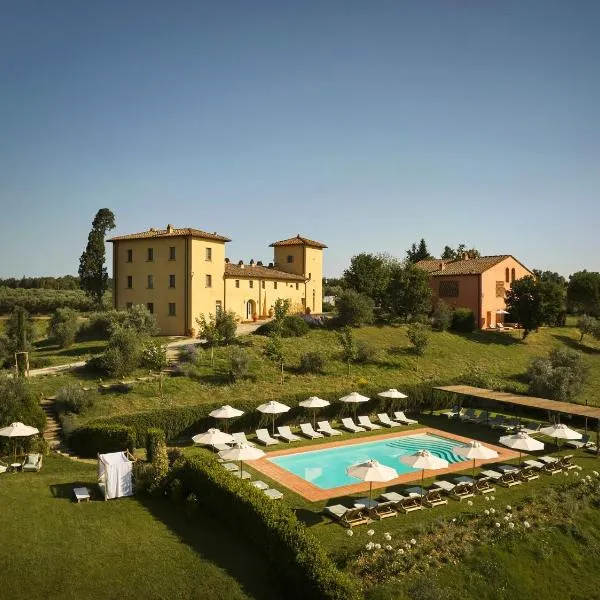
326, 469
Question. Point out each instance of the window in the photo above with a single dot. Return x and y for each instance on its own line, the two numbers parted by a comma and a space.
274, 285
128, 305
150, 307
129, 282
150, 257
171, 281
499, 289
150, 282
172, 312
297, 286
262, 285
130, 255
237, 283
171, 252
209, 281
251, 284
512, 274
208, 254
218, 307
448, 289
290, 258
507, 275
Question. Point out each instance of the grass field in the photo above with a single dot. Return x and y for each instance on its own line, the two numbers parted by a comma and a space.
52, 548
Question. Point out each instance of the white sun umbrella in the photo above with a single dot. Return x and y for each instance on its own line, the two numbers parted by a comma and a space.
393, 394
371, 471
242, 451
17, 430
354, 398
314, 402
212, 437
475, 451
273, 408
423, 459
560, 432
226, 412
522, 442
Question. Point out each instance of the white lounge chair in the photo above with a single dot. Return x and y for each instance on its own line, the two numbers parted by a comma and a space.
3, 467
384, 419
242, 475
350, 425
261, 485
240, 438
286, 433
264, 437
273, 494
364, 421
400, 416
309, 432
327, 429
456, 411
458, 491
230, 466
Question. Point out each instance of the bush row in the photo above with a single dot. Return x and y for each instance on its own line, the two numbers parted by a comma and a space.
43, 301
97, 438
293, 551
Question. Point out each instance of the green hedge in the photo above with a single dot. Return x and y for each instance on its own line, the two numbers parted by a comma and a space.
293, 551
97, 438
155, 438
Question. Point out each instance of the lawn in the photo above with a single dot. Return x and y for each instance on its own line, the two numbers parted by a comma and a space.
53, 548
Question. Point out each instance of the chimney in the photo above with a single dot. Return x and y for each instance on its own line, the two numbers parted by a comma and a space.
465, 256
270, 265
442, 265
227, 261
151, 228
251, 262
259, 263
241, 264
169, 228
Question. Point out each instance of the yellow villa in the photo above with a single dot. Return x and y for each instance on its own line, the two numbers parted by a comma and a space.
476, 283
180, 274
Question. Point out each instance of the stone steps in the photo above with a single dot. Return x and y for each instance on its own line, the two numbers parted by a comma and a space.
53, 428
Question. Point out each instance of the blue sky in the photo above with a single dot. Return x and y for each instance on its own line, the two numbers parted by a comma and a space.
365, 125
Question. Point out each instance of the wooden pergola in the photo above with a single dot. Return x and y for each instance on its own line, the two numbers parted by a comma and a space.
555, 406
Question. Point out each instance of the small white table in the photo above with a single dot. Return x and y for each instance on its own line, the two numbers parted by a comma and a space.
81, 493
15, 467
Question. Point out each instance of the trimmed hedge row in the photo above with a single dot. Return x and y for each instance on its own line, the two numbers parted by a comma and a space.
97, 438
294, 552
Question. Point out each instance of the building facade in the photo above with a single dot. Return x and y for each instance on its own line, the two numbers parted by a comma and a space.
476, 283
180, 274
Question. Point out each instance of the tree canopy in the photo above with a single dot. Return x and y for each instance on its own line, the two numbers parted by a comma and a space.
408, 294
92, 272
458, 253
583, 292
524, 302
418, 252
369, 274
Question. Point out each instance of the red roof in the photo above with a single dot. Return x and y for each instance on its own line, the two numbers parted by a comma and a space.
298, 241
171, 232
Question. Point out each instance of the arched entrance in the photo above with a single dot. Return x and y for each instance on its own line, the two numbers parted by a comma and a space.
250, 309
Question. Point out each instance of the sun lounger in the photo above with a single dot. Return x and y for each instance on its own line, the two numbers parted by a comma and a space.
481, 485
230, 466
400, 416
584, 442
383, 510
309, 432
264, 437
240, 438
534, 464
410, 504
286, 433
455, 412
528, 474
392, 497
349, 425
364, 421
468, 415
261, 485
273, 494
551, 465
384, 419
3, 467
327, 429
495, 421
348, 517
242, 475
483, 418
505, 479
509, 424
32, 462
530, 428
566, 462
459, 491
431, 497
220, 447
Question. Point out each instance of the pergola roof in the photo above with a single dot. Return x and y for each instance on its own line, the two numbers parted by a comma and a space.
517, 399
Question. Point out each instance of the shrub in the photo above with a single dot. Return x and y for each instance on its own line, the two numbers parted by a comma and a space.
441, 318
19, 330
218, 329
293, 551
328, 307
156, 453
123, 353
72, 398
18, 403
98, 326
347, 345
5, 354
463, 320
312, 362
63, 327
588, 326
143, 476
364, 353
418, 334
354, 309
154, 356
239, 363
97, 438
294, 326
140, 319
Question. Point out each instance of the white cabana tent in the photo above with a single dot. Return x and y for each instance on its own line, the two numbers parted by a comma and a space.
115, 472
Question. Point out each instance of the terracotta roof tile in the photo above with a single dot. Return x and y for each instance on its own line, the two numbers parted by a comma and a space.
298, 241
471, 266
171, 232
258, 272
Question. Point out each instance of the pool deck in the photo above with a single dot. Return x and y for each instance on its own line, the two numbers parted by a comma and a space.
314, 494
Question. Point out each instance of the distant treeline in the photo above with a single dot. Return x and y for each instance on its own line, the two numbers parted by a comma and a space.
66, 282
46, 301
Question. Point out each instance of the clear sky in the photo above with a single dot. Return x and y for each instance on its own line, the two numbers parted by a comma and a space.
364, 125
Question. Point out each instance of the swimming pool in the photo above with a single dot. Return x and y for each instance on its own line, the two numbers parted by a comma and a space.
326, 469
